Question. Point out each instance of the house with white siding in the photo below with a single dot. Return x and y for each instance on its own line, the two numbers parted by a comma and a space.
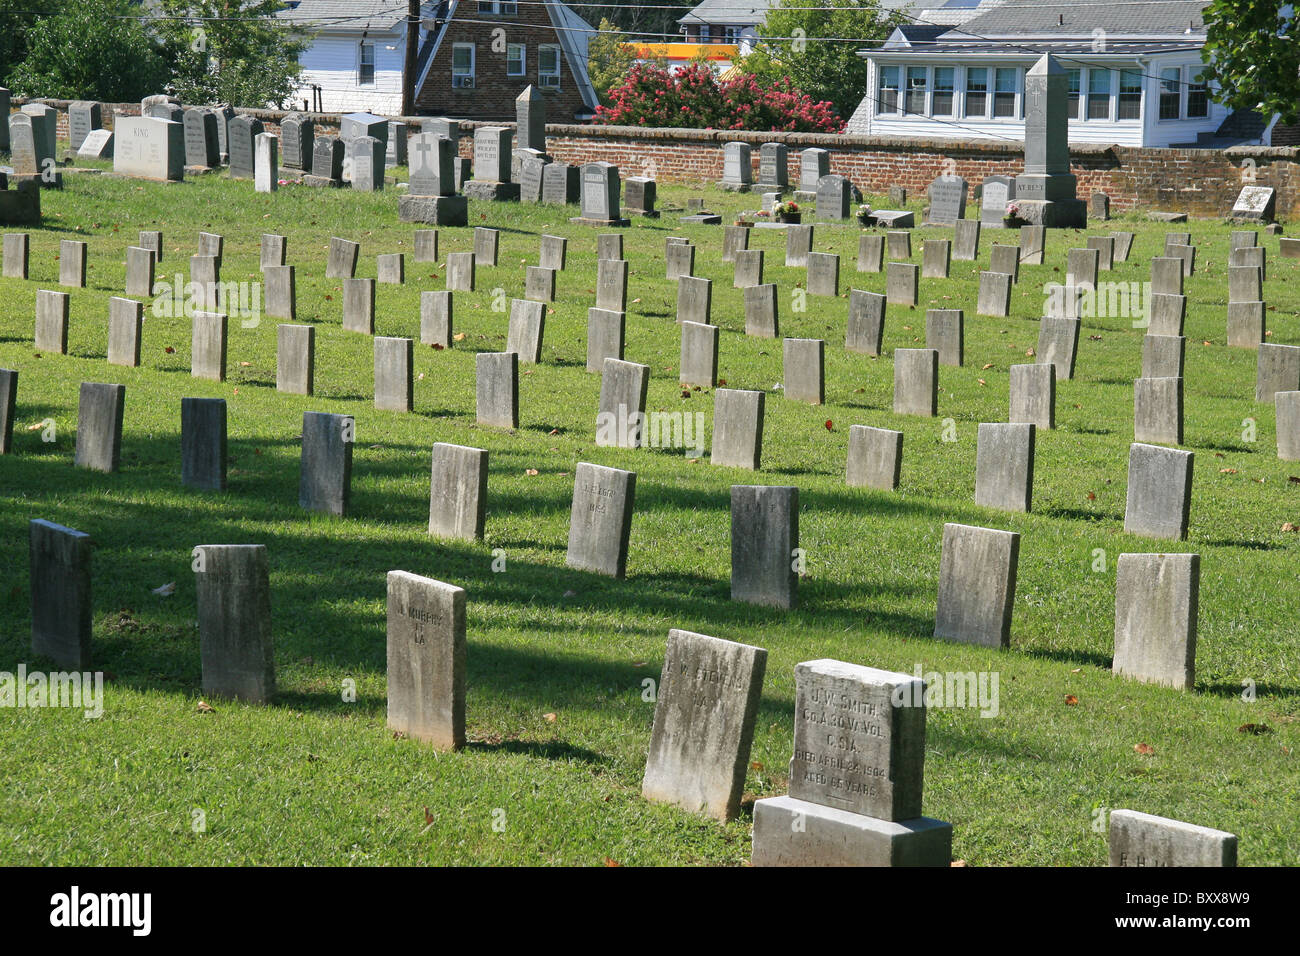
1134, 68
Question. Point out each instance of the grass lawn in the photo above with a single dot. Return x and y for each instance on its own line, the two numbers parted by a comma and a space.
557, 658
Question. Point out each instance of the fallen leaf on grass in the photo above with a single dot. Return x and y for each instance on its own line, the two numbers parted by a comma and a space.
830, 425
1145, 750
756, 765
986, 367
1071, 700
1290, 527
610, 861
458, 337
531, 472
1227, 471
205, 708
958, 863
549, 718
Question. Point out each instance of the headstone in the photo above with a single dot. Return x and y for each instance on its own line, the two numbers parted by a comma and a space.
325, 476
620, 419
1185, 253
944, 332
233, 593
1168, 313
1033, 241
866, 323
1005, 259
395, 150
1159, 491
531, 171
272, 250
916, 382
834, 198
5, 104
761, 318
1004, 466
749, 269
17, 247
1250, 256
224, 114
605, 334
1255, 203
1046, 190
326, 163
460, 272
1140, 839
202, 148
99, 426
365, 162
295, 359
1245, 284
609, 246
805, 370
764, 537
679, 258
936, 257
242, 135
1123, 243
773, 168
1058, 343
266, 170
431, 193
426, 660
600, 196
823, 274
390, 269
902, 283
280, 292
1287, 404
977, 585
1033, 395
83, 119
611, 284
125, 321
539, 284
28, 144
1167, 276
1243, 239
1156, 598
871, 252
394, 381
530, 113
1099, 207
139, 271
813, 165
600, 522
487, 242
798, 243
497, 389
1081, 268
297, 134
1105, 246
737, 428
342, 262
560, 184
426, 245
59, 561
995, 193
203, 443
208, 346
72, 263
527, 326
492, 155
359, 306
1162, 356
8, 407
966, 240
1277, 370
737, 167
1246, 321
947, 200
899, 244
699, 355
639, 196
458, 492
436, 319
51, 322
707, 703
353, 126
875, 458
97, 145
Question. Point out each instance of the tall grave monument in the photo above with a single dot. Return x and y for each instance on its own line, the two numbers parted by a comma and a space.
1046, 190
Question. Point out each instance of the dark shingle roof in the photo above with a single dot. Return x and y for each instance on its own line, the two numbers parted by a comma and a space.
1118, 18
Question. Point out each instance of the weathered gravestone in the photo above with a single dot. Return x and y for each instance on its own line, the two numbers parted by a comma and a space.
83, 119
1245, 284
749, 268
297, 134
1123, 244
487, 244
426, 660
1005, 259
875, 458
241, 136
266, 163
1058, 343
326, 163
764, 542
390, 269
773, 168
995, 193
871, 252
1046, 190
59, 580
1277, 369
325, 476
531, 170
8, 408
966, 240
1004, 466
977, 585
458, 491
426, 245
1105, 246
72, 263
1033, 242
359, 306
1287, 404
1167, 313
539, 284
492, 153
804, 364
1158, 410
553, 253
1255, 203
916, 382
295, 359
1033, 395
866, 323
813, 165
834, 198
737, 428
611, 284
497, 389
394, 380
1159, 491
947, 200
342, 261
945, 333
936, 258
436, 314
208, 337
761, 319
353, 126
1162, 356
363, 164
202, 148
699, 355
1156, 597
148, 148
679, 259
236, 650
600, 523
899, 244
1099, 207
99, 426
1140, 839
203, 443
395, 150
51, 322
737, 167
605, 333
708, 697
639, 196
1167, 276
600, 196
460, 272
98, 144
524, 334
823, 274
902, 283
431, 194
620, 419
17, 247
281, 300
798, 243
561, 184
125, 321
139, 271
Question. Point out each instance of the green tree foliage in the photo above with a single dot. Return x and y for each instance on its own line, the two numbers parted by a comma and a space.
1253, 56
230, 51
87, 50
608, 60
794, 43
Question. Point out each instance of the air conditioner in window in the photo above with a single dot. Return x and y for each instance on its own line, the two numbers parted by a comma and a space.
547, 80
462, 82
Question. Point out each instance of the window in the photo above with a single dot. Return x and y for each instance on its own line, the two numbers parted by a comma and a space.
1074, 76
548, 65
1169, 93
1130, 95
366, 68
497, 8
887, 95
1198, 100
462, 65
704, 33
732, 34
1099, 94
944, 77
1004, 92
516, 59
977, 91
916, 89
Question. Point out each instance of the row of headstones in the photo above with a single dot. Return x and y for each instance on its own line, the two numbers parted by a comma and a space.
867, 811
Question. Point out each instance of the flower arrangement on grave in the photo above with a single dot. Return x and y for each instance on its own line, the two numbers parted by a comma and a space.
1012, 216
864, 214
786, 211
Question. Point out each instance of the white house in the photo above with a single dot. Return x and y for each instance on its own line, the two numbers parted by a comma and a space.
1134, 67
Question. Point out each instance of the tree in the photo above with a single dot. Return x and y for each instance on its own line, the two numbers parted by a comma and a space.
1252, 56
694, 98
89, 50
807, 46
17, 17
608, 58
230, 51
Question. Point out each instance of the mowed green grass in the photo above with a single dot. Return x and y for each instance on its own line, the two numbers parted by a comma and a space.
557, 658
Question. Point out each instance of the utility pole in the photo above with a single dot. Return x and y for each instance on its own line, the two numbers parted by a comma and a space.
412, 51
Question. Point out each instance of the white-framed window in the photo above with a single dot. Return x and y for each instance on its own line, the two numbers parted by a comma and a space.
1171, 90
1099, 94
1198, 96
887, 91
1074, 77
731, 34
1130, 95
462, 65
916, 89
516, 59
977, 91
498, 8
548, 65
704, 33
1004, 91
366, 65
941, 101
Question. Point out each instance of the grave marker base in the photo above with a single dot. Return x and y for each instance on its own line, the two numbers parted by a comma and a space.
791, 832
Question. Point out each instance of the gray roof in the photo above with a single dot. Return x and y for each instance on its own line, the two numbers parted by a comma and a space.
747, 12
346, 15
1119, 18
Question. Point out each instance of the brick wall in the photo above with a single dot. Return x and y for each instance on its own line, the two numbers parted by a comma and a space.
1201, 182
